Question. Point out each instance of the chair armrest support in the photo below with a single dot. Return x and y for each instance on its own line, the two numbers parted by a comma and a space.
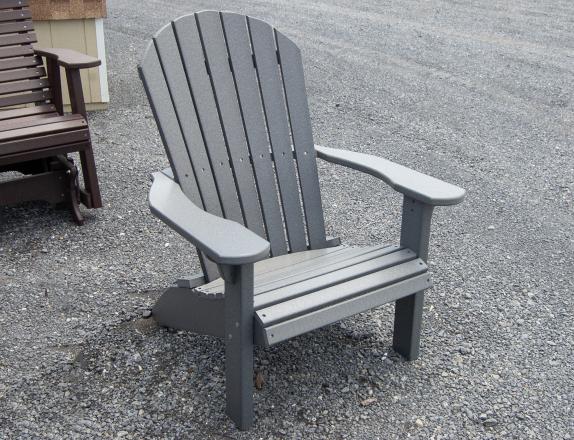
224, 241
69, 58
408, 182
72, 61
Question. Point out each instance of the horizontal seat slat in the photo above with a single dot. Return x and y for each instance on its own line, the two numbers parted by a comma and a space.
271, 266
15, 75
25, 98
17, 26
10, 40
321, 282
28, 111
348, 253
37, 143
34, 120
338, 292
19, 63
24, 86
312, 320
322, 267
16, 51
14, 14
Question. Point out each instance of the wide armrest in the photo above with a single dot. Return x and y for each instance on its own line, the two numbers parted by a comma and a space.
411, 183
69, 58
223, 241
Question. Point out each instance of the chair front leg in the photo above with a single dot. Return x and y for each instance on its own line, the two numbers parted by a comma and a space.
415, 234
239, 343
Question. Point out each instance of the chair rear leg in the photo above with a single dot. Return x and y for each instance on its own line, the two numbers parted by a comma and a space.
90, 177
239, 343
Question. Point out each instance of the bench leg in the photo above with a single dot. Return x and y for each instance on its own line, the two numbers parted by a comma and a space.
73, 192
90, 177
239, 343
415, 234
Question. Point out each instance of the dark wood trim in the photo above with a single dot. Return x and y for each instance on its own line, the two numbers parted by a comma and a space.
49, 186
43, 153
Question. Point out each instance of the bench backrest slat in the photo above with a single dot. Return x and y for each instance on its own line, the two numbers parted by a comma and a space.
23, 78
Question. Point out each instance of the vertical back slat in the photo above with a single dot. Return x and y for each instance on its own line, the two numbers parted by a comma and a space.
188, 38
298, 109
245, 76
184, 106
170, 131
263, 43
217, 58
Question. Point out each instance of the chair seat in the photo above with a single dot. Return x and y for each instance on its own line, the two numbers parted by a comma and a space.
299, 292
33, 131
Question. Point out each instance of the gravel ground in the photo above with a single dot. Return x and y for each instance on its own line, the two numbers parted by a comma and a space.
479, 93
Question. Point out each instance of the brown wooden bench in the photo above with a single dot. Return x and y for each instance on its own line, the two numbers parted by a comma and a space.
35, 134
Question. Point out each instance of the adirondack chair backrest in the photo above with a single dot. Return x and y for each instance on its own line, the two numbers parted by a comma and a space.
228, 94
22, 75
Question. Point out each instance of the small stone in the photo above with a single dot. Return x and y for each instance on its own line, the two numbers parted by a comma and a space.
490, 228
368, 401
259, 380
146, 314
490, 422
419, 423
345, 390
465, 350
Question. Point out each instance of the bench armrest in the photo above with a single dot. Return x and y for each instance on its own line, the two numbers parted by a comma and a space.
69, 58
408, 182
224, 241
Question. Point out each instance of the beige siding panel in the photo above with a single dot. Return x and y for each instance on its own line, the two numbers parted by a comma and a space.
92, 50
70, 34
79, 35
44, 34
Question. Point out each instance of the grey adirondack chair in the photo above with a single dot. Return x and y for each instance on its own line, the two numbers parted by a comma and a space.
228, 94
